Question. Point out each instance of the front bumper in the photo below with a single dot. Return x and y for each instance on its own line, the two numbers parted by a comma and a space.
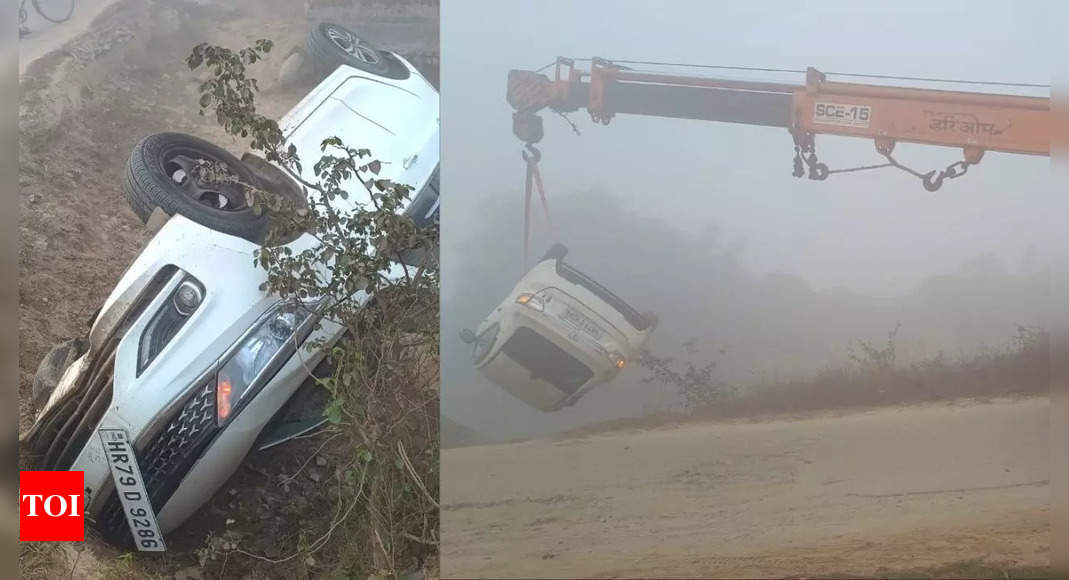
168, 409
166, 459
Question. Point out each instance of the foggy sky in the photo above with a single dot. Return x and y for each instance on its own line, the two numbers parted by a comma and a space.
877, 234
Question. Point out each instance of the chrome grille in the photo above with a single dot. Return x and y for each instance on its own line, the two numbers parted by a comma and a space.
68, 426
167, 458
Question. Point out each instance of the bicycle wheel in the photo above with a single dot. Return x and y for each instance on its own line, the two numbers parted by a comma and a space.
54, 10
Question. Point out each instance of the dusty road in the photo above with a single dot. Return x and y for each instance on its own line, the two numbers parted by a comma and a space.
46, 37
895, 488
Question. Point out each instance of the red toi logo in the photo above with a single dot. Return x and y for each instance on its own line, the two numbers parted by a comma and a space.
51, 506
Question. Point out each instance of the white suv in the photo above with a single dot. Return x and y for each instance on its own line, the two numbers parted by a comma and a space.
188, 360
556, 335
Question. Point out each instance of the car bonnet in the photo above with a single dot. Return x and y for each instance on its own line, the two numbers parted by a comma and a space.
397, 121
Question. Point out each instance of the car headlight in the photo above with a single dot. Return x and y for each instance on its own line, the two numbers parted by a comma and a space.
264, 349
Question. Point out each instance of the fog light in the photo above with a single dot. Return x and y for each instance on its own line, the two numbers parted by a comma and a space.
187, 298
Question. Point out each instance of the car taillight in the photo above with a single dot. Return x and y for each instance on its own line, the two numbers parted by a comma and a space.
531, 301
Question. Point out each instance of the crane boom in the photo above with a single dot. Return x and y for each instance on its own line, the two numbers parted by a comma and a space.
973, 121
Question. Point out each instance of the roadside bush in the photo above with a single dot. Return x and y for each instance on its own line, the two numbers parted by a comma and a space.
384, 381
1022, 368
697, 385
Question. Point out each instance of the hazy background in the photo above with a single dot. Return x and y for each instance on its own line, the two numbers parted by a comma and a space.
704, 223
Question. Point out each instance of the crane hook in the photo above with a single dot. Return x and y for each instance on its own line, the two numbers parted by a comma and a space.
818, 172
932, 180
534, 156
527, 127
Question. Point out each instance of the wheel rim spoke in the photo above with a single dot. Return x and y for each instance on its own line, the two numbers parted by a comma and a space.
361, 52
352, 45
184, 173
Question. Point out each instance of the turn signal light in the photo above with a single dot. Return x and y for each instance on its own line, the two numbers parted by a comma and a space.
223, 399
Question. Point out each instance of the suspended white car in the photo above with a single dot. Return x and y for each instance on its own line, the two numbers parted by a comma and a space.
556, 335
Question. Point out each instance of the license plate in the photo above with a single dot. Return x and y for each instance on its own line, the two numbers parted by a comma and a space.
131, 489
582, 323
842, 115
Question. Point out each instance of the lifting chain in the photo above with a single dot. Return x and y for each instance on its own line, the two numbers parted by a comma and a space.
602, 118
805, 152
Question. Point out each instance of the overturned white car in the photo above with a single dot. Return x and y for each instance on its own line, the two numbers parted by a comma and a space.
557, 334
188, 364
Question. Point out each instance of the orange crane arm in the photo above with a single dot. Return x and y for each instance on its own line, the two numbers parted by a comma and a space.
975, 122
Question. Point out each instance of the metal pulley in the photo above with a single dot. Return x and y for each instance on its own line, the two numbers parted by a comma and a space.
527, 127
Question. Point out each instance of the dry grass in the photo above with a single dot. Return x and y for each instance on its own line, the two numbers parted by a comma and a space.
1020, 370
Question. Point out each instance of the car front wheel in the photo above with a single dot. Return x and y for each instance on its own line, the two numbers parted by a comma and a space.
180, 174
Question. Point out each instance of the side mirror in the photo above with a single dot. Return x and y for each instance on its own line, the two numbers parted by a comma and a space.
467, 335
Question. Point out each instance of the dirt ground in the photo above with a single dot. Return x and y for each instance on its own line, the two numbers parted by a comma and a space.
956, 489
89, 90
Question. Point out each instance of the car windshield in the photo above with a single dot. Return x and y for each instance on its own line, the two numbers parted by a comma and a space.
424, 207
546, 361
424, 212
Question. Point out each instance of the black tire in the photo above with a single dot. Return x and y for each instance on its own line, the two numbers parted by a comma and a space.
52, 367
55, 11
557, 252
158, 175
331, 45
